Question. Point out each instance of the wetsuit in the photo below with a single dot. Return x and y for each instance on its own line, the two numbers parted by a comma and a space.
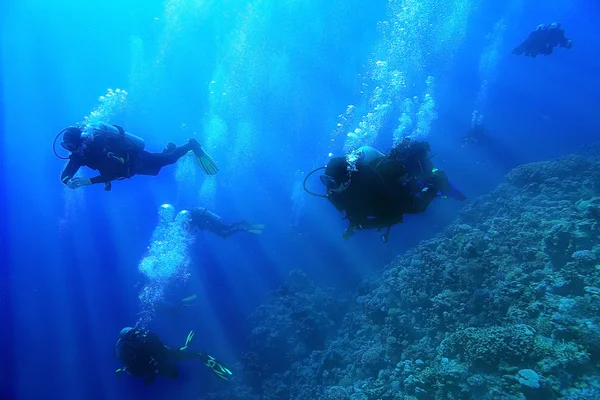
379, 192
543, 41
115, 158
143, 354
379, 195
205, 220
476, 136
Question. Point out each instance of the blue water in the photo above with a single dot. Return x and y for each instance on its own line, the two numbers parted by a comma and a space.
263, 85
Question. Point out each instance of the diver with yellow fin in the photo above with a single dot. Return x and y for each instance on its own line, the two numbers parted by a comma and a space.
117, 154
143, 354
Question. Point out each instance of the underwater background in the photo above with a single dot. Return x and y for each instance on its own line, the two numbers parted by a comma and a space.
497, 298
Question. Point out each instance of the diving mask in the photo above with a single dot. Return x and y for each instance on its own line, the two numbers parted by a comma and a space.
332, 185
69, 146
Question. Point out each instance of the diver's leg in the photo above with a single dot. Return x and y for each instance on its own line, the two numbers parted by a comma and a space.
418, 203
152, 163
174, 155
168, 370
179, 355
169, 147
224, 230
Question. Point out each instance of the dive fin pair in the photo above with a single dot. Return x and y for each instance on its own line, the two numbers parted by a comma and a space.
217, 368
255, 229
208, 165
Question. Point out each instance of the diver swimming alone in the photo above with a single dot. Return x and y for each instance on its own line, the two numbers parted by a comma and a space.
476, 135
543, 40
117, 154
375, 190
144, 355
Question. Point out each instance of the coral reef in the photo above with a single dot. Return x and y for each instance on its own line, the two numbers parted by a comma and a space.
504, 304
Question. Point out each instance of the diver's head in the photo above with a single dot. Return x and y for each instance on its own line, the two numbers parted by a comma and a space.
71, 139
336, 177
555, 25
124, 332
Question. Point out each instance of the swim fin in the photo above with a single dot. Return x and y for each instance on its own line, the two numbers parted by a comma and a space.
451, 191
188, 340
216, 367
255, 229
208, 165
455, 193
189, 301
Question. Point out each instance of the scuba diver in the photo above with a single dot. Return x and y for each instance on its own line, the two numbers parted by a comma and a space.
375, 190
476, 135
117, 154
144, 355
543, 41
205, 220
176, 307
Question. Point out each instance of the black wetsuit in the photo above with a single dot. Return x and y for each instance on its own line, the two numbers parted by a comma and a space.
476, 136
143, 354
543, 41
115, 158
206, 220
382, 191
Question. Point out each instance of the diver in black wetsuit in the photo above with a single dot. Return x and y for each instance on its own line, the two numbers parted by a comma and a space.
543, 41
379, 189
144, 355
476, 135
205, 220
117, 154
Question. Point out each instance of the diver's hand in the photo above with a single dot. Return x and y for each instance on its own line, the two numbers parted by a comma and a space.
78, 182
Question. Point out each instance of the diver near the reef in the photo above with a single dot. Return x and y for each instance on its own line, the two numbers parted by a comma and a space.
476, 135
205, 220
117, 154
143, 354
543, 41
375, 190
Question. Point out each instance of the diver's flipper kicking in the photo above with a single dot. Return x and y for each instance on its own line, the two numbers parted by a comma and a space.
143, 354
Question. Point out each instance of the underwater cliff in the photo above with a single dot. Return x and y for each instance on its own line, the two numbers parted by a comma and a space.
503, 304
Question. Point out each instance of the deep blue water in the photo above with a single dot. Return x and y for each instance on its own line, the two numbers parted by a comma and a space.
262, 84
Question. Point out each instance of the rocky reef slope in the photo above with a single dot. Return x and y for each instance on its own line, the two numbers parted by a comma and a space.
504, 304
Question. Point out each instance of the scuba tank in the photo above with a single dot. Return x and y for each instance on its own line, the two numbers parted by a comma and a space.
368, 154
102, 129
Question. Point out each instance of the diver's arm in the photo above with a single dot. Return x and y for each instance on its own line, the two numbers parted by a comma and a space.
104, 178
70, 170
100, 179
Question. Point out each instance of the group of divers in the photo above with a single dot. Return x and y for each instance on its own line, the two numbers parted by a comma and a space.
372, 189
